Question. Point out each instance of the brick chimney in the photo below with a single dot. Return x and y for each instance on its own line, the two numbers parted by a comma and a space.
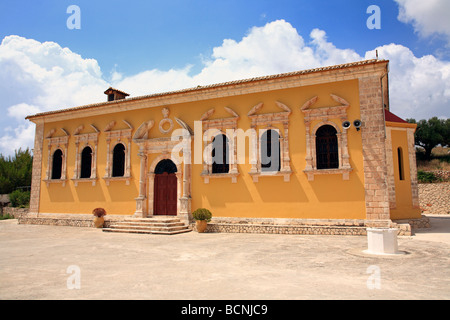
114, 94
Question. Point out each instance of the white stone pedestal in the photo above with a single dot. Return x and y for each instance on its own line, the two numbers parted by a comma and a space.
382, 241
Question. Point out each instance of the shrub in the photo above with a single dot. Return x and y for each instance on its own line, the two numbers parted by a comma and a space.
426, 177
6, 216
20, 199
202, 214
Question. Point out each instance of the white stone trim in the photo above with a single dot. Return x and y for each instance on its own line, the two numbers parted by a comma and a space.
113, 138
212, 128
270, 121
56, 143
163, 147
82, 141
326, 116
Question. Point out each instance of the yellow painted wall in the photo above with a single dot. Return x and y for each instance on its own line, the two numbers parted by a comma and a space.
403, 194
327, 197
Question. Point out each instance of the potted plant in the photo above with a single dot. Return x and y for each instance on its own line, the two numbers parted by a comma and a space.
201, 216
99, 219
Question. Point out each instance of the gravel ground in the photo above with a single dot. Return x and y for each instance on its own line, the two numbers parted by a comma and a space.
49, 262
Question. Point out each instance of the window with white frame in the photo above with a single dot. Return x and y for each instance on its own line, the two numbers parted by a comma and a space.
326, 142
118, 153
219, 158
86, 156
57, 158
220, 154
273, 146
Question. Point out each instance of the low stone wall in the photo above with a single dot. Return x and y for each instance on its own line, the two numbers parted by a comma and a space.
244, 225
444, 175
15, 212
434, 198
303, 226
414, 224
69, 220
283, 229
57, 222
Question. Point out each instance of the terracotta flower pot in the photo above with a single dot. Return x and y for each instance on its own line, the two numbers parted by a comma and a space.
98, 222
201, 225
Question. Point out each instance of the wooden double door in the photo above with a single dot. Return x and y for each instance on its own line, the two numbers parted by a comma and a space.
165, 194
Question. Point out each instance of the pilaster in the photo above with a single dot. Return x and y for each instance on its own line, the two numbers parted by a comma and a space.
37, 169
374, 148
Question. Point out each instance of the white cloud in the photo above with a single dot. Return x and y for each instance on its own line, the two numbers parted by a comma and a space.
274, 48
418, 87
43, 76
21, 137
155, 81
39, 77
21, 110
327, 53
428, 17
47, 75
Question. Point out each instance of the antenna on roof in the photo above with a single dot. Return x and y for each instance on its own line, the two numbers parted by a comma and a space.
376, 52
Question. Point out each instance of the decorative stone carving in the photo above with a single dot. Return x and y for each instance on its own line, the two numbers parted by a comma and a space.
309, 103
207, 114
164, 147
270, 121
326, 115
165, 112
82, 141
185, 126
114, 137
215, 127
55, 143
142, 131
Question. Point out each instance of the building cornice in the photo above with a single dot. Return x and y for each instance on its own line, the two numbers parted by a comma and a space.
349, 71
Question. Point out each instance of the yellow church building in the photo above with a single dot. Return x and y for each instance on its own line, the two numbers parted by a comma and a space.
313, 151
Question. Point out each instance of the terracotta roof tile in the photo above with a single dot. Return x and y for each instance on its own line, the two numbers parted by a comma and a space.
389, 116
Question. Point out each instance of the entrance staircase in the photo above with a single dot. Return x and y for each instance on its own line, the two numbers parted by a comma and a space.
156, 225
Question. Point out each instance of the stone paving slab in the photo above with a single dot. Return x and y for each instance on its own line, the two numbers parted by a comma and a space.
41, 262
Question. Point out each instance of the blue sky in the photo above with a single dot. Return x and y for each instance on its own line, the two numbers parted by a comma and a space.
147, 46
137, 35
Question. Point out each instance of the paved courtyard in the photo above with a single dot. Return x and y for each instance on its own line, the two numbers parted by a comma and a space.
50, 262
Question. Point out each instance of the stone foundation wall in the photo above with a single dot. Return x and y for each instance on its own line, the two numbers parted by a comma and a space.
283, 229
57, 222
15, 212
435, 198
69, 220
421, 223
244, 225
303, 226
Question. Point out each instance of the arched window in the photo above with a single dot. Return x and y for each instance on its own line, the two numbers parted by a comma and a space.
270, 151
57, 164
401, 174
165, 165
220, 154
327, 153
86, 163
118, 167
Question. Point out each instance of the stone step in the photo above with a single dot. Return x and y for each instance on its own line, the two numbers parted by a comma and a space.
150, 220
148, 227
148, 224
146, 231
159, 225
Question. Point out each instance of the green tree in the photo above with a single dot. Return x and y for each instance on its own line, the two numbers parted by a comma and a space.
431, 133
15, 172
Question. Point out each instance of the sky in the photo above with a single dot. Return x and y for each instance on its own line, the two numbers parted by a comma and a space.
54, 57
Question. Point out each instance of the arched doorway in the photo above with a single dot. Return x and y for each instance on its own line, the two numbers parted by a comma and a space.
165, 188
